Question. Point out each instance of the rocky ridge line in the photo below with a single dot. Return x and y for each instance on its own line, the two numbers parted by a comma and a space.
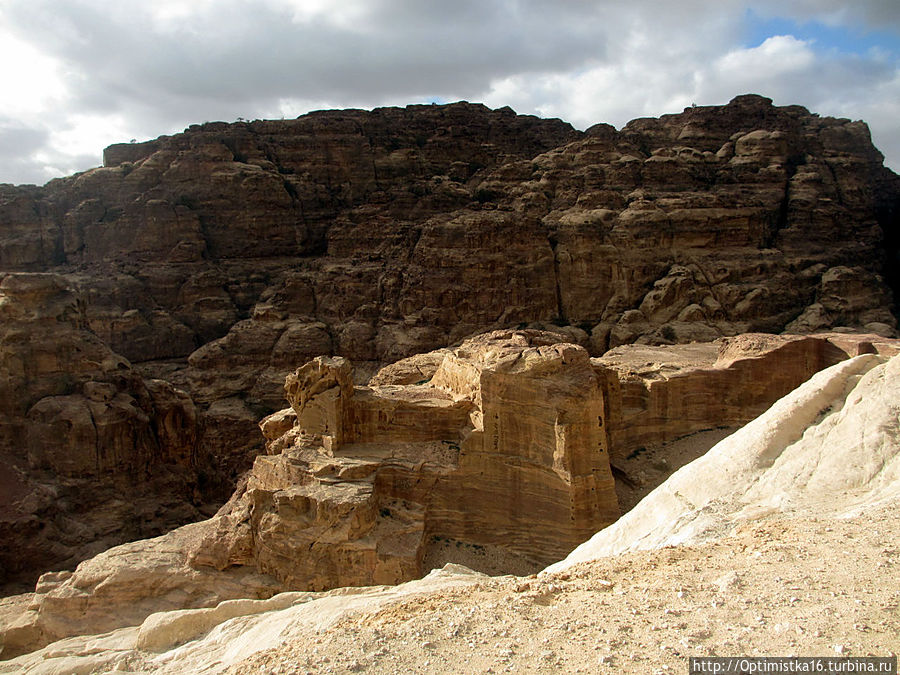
506, 447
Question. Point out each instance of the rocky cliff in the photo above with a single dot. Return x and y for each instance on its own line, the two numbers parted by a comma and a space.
198, 270
356, 478
92, 453
830, 448
377, 235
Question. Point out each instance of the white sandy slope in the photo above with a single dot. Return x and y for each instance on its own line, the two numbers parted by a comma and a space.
829, 449
211, 639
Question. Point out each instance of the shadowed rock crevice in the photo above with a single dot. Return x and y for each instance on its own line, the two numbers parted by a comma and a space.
888, 216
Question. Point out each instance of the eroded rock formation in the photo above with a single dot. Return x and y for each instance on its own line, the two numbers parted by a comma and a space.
830, 448
377, 235
504, 448
218, 259
506, 444
91, 452
659, 393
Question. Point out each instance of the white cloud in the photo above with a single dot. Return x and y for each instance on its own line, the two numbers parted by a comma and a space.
787, 69
779, 55
30, 81
175, 12
80, 137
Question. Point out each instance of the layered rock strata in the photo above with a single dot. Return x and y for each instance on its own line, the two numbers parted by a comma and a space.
377, 235
830, 448
759, 517
92, 453
656, 394
506, 443
220, 258
503, 446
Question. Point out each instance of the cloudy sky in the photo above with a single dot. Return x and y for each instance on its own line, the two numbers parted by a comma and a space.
78, 75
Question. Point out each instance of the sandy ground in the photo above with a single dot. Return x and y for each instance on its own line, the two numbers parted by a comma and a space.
779, 588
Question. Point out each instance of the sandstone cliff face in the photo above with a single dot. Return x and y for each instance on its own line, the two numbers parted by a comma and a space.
219, 259
503, 447
377, 235
92, 453
831, 448
506, 444
659, 393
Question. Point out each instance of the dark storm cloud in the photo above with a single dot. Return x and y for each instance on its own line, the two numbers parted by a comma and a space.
869, 14
20, 141
239, 51
18, 145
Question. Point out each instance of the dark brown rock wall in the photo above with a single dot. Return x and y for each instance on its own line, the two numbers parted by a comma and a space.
95, 454
219, 259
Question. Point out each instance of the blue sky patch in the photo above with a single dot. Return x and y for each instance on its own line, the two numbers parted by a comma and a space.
846, 39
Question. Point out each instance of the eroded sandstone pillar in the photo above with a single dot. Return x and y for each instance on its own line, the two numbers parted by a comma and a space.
534, 474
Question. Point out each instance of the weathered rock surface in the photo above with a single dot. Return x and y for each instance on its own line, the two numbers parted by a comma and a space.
165, 630
378, 235
504, 446
219, 259
659, 393
508, 445
121, 587
830, 448
763, 513
92, 453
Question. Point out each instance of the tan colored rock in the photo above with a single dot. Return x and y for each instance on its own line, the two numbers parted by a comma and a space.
121, 587
277, 424
360, 478
507, 447
534, 471
656, 394
319, 394
818, 472
399, 234
417, 369
149, 646
831, 448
